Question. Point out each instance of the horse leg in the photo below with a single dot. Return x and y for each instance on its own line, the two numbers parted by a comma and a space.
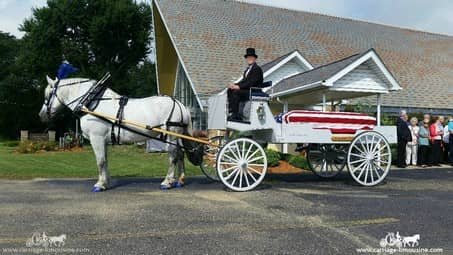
100, 151
181, 167
170, 180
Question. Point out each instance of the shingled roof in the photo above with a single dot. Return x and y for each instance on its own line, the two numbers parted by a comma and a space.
274, 62
211, 36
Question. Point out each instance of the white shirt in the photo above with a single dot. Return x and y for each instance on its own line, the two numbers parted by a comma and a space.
446, 134
414, 134
248, 70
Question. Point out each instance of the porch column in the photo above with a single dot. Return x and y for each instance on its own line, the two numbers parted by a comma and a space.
285, 145
323, 102
378, 112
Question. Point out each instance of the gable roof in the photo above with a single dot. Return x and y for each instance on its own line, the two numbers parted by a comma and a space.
285, 58
329, 73
317, 75
211, 42
274, 62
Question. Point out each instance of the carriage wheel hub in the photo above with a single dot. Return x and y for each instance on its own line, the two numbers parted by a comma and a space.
243, 165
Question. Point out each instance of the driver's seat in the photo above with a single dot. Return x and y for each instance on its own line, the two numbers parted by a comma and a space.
256, 94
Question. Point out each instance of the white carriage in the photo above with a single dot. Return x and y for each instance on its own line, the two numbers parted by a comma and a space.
239, 161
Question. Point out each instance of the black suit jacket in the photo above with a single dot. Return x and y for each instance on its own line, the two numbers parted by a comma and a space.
253, 79
402, 130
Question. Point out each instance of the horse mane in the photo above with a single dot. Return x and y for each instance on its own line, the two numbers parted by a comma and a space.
69, 81
75, 80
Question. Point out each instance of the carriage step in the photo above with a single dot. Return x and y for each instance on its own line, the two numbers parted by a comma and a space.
240, 121
342, 138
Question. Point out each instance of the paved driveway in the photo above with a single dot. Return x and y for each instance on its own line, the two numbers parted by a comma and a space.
287, 215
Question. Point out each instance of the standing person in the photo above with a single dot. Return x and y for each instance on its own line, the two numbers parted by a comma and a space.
450, 131
411, 146
436, 131
240, 91
427, 119
423, 142
404, 136
426, 116
446, 142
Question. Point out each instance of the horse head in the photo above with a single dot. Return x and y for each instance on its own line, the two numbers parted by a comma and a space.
51, 104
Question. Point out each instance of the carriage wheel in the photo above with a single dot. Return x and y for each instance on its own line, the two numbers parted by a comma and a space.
326, 160
208, 166
369, 158
241, 164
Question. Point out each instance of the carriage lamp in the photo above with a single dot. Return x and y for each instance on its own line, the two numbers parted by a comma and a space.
260, 112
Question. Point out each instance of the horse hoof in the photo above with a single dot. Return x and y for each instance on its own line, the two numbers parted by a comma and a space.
165, 187
97, 189
179, 184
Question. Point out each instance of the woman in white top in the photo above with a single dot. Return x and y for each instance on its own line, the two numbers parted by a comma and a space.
411, 147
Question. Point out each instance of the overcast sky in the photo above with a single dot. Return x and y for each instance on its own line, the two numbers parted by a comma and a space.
427, 15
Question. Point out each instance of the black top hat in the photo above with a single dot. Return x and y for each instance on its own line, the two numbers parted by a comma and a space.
250, 52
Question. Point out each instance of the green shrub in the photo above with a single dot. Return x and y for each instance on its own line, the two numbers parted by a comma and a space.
285, 156
35, 146
298, 161
273, 157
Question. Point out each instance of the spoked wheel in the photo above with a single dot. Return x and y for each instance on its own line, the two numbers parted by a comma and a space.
208, 166
327, 160
241, 164
369, 158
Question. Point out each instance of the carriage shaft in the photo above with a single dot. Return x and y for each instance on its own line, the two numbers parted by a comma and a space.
147, 127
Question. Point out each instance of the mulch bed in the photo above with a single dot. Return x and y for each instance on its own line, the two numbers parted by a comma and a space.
285, 168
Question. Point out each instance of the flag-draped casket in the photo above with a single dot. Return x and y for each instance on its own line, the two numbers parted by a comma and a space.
336, 122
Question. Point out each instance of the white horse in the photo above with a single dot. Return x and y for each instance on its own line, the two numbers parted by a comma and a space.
152, 111
57, 241
411, 241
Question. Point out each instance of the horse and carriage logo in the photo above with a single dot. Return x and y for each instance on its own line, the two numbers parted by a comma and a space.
43, 240
398, 241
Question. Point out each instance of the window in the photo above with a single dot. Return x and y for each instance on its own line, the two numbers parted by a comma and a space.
184, 93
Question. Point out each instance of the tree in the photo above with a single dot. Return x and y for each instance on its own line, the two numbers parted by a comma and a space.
142, 80
16, 91
8, 51
94, 35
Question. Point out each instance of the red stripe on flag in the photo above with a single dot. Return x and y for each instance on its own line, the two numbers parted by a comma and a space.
326, 119
344, 130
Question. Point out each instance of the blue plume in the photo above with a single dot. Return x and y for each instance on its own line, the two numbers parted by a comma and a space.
65, 70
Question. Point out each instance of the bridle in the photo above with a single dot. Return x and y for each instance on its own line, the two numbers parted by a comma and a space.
48, 102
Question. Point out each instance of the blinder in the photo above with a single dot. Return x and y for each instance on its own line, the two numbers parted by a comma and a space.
49, 101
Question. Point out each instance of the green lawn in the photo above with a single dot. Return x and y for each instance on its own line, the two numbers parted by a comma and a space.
124, 161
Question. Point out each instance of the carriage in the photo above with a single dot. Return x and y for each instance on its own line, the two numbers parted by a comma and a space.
334, 141
236, 155
237, 158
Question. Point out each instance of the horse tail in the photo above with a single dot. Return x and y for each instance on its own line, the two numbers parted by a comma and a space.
189, 129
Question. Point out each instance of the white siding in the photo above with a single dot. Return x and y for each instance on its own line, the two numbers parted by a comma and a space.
361, 78
288, 69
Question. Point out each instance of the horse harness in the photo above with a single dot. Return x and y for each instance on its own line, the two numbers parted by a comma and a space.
91, 100
53, 95
119, 119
